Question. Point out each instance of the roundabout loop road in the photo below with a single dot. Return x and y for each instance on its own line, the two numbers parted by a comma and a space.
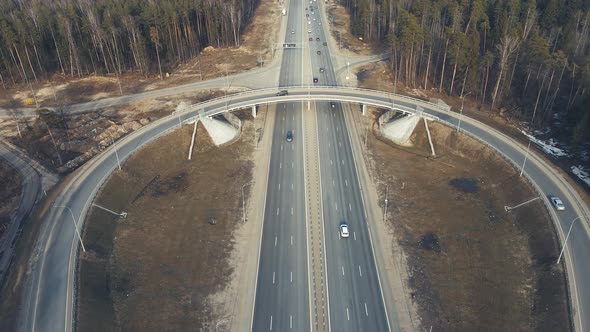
49, 291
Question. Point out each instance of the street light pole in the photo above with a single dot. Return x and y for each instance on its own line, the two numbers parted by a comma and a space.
75, 225
116, 153
565, 241
244, 202
525, 157
461, 112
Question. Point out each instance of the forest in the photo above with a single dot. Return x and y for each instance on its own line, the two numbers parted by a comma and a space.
528, 58
82, 37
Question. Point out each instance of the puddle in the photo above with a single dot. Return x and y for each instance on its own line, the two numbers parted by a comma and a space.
465, 185
362, 75
429, 241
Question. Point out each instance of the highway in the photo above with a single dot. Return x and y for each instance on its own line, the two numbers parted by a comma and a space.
48, 297
355, 296
282, 288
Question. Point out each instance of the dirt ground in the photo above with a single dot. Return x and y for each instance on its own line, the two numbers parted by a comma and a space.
472, 266
340, 29
71, 140
165, 267
10, 190
256, 48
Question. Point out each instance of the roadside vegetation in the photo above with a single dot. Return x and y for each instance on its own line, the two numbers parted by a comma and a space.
526, 58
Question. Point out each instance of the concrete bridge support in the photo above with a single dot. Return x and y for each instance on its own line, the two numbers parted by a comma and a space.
364, 109
254, 111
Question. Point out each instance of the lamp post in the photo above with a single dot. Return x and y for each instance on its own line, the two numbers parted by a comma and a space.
461, 112
244, 202
526, 155
565, 241
75, 224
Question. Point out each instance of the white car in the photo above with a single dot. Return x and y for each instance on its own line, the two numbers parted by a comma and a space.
557, 203
344, 230
309, 31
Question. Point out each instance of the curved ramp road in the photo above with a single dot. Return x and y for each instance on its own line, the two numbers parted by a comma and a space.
48, 291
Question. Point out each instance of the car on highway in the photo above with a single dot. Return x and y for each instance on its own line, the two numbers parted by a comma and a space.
325, 44
315, 80
332, 104
317, 39
557, 203
319, 52
283, 93
292, 31
310, 39
309, 31
344, 230
289, 136
322, 69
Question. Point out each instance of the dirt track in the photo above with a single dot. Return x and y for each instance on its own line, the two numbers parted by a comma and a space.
472, 266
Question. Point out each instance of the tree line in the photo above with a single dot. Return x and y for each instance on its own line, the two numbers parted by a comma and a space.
529, 57
81, 37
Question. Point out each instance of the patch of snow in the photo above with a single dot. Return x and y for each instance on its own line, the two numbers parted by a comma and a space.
400, 130
549, 146
581, 173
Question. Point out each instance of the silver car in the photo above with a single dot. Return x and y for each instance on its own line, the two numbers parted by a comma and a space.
557, 203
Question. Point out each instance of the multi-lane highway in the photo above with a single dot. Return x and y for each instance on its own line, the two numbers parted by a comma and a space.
282, 289
352, 279
355, 296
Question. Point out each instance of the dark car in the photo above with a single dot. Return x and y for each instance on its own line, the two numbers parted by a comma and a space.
319, 52
333, 104
322, 70
317, 39
283, 93
325, 44
289, 136
315, 80
310, 39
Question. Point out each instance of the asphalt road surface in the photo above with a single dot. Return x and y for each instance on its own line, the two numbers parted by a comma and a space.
48, 295
355, 296
282, 288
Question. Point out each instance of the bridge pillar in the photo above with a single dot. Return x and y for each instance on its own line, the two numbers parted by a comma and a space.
364, 109
309, 105
254, 111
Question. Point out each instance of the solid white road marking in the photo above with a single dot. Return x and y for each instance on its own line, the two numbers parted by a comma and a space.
360, 272
347, 314
366, 311
273, 277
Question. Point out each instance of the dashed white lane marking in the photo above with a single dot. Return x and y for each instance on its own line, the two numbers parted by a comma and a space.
336, 206
273, 277
330, 161
271, 322
354, 235
360, 272
346, 182
291, 276
328, 144
277, 211
333, 183
292, 165
347, 314
279, 187
366, 310
342, 161
342, 270
291, 211
291, 186
349, 207
280, 165
275, 241
291, 239
290, 321
281, 147
292, 147
340, 143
